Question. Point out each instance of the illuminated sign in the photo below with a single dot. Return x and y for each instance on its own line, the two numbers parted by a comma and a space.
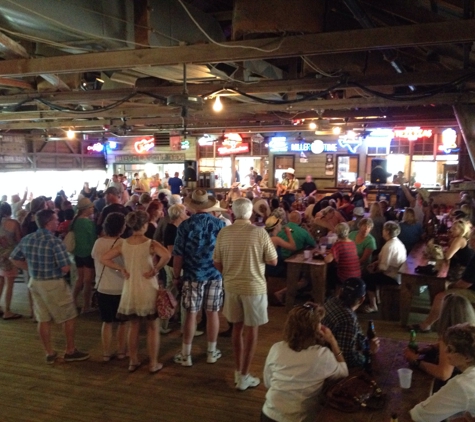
112, 144
317, 147
241, 148
185, 144
206, 140
97, 147
449, 141
144, 145
379, 137
278, 144
412, 133
350, 141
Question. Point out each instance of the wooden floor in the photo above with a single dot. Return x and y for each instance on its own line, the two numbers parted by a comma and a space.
31, 390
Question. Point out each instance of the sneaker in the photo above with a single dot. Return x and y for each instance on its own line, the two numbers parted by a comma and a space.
165, 330
213, 356
75, 356
182, 360
247, 381
51, 358
198, 333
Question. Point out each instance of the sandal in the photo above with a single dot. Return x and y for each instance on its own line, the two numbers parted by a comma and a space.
417, 328
134, 366
369, 310
108, 358
157, 369
12, 316
121, 356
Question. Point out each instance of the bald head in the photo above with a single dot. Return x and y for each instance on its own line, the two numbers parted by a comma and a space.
295, 217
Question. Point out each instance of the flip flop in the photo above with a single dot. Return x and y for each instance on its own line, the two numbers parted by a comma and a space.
369, 310
13, 316
417, 328
157, 369
134, 367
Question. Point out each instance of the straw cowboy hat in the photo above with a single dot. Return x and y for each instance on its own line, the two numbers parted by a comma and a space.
84, 203
258, 205
200, 201
216, 208
290, 170
271, 222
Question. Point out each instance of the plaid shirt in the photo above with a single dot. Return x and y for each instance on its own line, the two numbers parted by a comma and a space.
44, 253
344, 325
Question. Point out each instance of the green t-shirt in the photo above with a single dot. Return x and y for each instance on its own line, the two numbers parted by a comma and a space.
302, 239
84, 237
368, 242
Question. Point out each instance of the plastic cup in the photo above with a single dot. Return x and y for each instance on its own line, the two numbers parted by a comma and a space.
307, 254
405, 377
323, 249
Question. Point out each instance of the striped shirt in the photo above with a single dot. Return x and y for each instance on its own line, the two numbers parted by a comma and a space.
346, 257
243, 249
45, 255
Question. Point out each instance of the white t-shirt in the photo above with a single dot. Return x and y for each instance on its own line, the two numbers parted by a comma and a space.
112, 281
457, 396
295, 379
391, 257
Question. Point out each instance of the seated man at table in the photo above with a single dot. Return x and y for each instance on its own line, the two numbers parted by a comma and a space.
302, 237
464, 287
340, 318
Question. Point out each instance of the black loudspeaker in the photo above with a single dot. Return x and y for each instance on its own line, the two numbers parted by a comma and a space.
190, 172
379, 173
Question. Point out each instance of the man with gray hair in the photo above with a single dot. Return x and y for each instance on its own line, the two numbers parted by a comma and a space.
163, 222
241, 252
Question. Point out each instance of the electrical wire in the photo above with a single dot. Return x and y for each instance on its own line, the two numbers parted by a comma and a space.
249, 47
320, 71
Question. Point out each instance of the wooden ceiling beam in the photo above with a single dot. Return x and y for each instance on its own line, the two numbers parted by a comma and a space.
281, 86
461, 31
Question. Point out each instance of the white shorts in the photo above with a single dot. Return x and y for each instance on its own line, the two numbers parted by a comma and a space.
250, 309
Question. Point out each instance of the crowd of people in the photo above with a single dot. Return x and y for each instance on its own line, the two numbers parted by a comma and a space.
217, 254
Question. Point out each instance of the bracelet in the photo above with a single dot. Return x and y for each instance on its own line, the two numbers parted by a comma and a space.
338, 354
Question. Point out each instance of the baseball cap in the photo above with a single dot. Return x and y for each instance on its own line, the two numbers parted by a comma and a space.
353, 288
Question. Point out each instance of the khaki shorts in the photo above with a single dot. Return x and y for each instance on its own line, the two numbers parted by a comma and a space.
52, 300
250, 309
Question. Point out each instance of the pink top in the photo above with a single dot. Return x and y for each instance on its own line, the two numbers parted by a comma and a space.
346, 257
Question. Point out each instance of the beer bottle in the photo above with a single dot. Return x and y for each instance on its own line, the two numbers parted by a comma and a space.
394, 418
412, 341
370, 334
368, 364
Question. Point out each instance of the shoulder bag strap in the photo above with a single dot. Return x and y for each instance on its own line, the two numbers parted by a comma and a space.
104, 267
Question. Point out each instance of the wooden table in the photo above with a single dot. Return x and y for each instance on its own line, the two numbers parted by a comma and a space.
385, 365
411, 281
317, 270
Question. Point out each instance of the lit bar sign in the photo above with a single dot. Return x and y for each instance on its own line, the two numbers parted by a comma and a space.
144, 145
317, 147
449, 141
413, 133
278, 144
97, 147
239, 148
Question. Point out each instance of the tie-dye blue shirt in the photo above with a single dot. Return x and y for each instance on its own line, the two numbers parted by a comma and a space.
195, 242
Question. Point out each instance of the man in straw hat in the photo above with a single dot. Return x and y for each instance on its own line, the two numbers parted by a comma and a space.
241, 252
288, 187
202, 282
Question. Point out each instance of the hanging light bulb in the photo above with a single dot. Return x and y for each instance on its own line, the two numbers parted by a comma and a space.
312, 125
217, 106
70, 134
336, 130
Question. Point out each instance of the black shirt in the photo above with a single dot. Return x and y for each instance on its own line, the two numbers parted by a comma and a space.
308, 187
169, 239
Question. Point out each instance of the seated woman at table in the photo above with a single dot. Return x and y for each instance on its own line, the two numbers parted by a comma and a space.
345, 255
385, 269
464, 287
278, 211
365, 242
273, 226
458, 395
458, 251
433, 359
328, 218
296, 367
411, 230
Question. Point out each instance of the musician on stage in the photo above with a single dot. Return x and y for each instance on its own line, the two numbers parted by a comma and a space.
288, 187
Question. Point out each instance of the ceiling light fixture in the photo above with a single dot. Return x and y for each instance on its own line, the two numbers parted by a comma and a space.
336, 130
70, 134
217, 106
312, 125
